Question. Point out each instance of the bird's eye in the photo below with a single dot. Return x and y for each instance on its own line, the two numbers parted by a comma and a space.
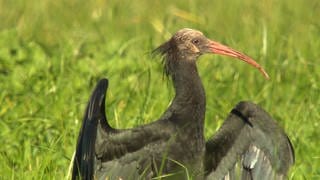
195, 41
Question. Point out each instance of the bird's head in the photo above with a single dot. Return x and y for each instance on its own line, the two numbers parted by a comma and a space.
188, 44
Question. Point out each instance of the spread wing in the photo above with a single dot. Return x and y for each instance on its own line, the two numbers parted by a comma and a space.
249, 145
104, 152
83, 164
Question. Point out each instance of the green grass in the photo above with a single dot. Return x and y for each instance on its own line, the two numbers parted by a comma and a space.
53, 52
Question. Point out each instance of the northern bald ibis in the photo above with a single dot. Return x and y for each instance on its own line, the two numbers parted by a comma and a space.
249, 145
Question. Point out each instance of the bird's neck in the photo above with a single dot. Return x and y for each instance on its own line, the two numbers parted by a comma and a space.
187, 110
189, 102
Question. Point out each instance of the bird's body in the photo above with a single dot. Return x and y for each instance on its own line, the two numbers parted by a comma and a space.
174, 145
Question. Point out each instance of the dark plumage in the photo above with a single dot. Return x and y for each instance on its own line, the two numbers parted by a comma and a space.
249, 144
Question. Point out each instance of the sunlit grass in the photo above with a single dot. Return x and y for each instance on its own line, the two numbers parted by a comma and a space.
53, 52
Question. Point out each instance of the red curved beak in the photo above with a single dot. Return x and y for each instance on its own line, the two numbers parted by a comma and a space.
218, 48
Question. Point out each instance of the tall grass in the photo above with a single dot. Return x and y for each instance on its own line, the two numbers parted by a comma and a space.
53, 52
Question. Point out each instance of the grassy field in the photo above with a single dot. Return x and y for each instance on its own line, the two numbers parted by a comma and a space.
53, 52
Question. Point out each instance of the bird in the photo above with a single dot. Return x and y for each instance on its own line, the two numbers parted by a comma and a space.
249, 144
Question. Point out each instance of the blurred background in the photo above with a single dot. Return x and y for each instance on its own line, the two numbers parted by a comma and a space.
53, 52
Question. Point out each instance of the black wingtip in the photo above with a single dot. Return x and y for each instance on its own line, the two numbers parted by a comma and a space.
96, 105
292, 152
95, 112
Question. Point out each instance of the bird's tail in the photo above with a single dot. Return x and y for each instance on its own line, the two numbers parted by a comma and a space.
83, 163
